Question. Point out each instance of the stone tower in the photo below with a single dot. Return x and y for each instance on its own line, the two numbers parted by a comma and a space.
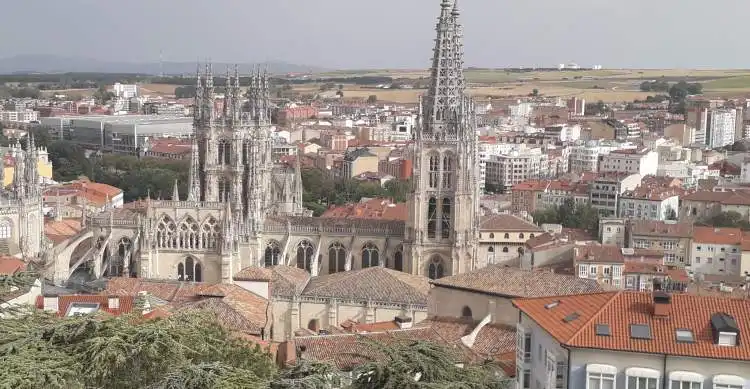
231, 159
443, 228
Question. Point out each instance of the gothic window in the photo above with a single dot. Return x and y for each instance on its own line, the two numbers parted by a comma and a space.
225, 189
336, 258
431, 218
225, 152
245, 152
445, 228
370, 256
305, 254
210, 234
447, 181
6, 229
189, 234
398, 261
166, 233
272, 254
435, 269
189, 270
434, 171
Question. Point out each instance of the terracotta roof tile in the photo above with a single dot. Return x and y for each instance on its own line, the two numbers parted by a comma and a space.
513, 282
288, 281
661, 228
374, 283
58, 231
599, 253
711, 235
11, 265
621, 309
504, 222
254, 273
125, 303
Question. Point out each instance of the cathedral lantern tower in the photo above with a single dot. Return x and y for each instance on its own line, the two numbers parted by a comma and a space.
443, 228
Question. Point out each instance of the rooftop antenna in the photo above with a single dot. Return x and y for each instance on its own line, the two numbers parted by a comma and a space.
161, 63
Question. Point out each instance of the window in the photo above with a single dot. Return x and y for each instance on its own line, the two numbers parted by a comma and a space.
592, 270
370, 256
466, 312
685, 380
727, 339
506, 236
5, 229
600, 376
726, 381
272, 255
435, 269
640, 378
583, 271
505, 249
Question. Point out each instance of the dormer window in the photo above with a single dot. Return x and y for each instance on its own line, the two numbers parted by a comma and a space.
727, 339
725, 330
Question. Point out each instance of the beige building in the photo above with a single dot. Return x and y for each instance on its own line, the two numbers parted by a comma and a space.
603, 263
639, 340
502, 238
359, 161
683, 134
605, 191
672, 238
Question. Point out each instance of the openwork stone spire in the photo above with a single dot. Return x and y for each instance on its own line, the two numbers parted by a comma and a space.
445, 102
194, 180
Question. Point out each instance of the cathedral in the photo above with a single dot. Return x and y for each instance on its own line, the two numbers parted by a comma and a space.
245, 209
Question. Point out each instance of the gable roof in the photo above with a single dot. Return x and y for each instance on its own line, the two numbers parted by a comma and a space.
371, 284
504, 222
500, 280
621, 309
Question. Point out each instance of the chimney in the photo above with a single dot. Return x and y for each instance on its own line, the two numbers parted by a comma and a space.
50, 304
404, 322
113, 302
662, 303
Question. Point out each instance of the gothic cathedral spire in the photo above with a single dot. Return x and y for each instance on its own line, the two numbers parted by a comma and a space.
443, 209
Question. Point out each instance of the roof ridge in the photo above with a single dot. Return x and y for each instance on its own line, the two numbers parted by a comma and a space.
595, 315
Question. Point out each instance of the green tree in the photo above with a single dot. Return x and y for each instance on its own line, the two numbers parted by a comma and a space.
535, 92
186, 350
730, 219
372, 99
409, 364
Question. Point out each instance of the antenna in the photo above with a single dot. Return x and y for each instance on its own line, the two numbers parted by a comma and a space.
161, 63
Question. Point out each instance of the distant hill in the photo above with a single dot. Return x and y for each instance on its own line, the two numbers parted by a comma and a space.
59, 64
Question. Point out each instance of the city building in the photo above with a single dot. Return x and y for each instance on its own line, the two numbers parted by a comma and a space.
584, 156
670, 237
632, 340
630, 161
502, 238
603, 263
22, 116
125, 133
654, 202
506, 170
716, 251
722, 127
605, 191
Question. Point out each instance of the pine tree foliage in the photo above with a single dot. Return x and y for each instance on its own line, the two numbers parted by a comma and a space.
186, 350
308, 375
417, 365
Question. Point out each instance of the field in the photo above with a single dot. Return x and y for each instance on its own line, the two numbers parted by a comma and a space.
609, 85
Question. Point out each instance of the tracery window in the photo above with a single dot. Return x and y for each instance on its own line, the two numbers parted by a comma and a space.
434, 171
370, 256
431, 218
447, 180
435, 270
225, 152
398, 260
305, 254
6, 229
210, 232
272, 254
166, 233
336, 258
445, 228
189, 234
225, 189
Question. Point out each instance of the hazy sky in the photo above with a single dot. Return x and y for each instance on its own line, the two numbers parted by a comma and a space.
383, 33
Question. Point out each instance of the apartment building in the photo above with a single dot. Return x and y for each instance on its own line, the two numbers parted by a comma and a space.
722, 127
603, 263
650, 202
670, 237
534, 195
605, 191
506, 170
632, 340
21, 116
630, 161
716, 251
584, 157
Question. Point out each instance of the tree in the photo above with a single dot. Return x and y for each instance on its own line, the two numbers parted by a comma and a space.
186, 350
102, 95
409, 364
729, 219
372, 99
535, 92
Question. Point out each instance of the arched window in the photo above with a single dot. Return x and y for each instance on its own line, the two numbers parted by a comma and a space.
434, 171
491, 249
398, 261
466, 312
492, 235
245, 152
445, 227
189, 233
305, 253
531, 236
336, 258
166, 233
225, 189
225, 152
210, 233
520, 236
447, 181
431, 218
435, 269
272, 254
190, 270
520, 251
369, 256
505, 249
6, 229
506, 236
491, 255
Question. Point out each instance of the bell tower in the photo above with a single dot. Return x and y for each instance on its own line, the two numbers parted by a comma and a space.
442, 231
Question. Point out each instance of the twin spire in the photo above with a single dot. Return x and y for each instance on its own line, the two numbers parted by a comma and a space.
233, 114
26, 172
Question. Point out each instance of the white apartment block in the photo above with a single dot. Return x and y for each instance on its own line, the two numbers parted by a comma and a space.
605, 191
630, 161
632, 340
642, 204
125, 91
716, 251
723, 127
22, 116
584, 157
515, 167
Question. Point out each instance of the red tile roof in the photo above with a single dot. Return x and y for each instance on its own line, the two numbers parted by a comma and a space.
382, 209
621, 309
125, 305
711, 235
11, 265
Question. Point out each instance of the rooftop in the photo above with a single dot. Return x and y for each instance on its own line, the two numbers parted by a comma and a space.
376, 284
505, 222
619, 311
661, 228
513, 282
